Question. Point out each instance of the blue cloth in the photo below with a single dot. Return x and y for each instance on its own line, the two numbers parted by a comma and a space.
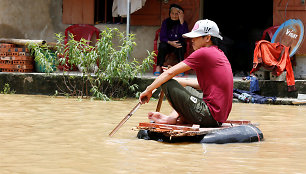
254, 85
241, 94
245, 97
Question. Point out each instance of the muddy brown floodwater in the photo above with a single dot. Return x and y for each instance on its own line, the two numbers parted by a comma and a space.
41, 134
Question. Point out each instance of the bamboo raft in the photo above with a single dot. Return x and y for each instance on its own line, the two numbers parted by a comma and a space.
232, 131
187, 130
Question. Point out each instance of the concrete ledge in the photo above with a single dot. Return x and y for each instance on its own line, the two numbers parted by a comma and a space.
281, 101
274, 88
40, 83
30, 83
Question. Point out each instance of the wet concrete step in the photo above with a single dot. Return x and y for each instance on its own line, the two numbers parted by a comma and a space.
40, 83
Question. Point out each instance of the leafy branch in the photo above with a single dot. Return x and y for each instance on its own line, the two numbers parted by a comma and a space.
105, 68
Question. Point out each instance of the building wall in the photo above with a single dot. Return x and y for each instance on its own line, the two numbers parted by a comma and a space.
40, 19
294, 9
144, 37
30, 19
300, 68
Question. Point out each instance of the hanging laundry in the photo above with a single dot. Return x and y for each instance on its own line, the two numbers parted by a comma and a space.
274, 57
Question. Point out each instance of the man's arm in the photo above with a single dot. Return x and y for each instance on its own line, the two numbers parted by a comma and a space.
164, 77
189, 82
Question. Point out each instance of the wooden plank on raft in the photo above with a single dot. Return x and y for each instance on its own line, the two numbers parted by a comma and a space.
240, 122
187, 130
168, 126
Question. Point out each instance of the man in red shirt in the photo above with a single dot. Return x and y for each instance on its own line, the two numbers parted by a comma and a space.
214, 79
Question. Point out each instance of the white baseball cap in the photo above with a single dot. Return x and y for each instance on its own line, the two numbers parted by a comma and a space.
203, 28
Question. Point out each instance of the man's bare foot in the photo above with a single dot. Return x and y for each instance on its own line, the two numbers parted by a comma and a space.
158, 117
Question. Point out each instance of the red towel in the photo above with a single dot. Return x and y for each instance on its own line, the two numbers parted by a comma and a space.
274, 57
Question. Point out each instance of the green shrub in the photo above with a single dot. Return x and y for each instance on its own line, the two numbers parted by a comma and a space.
105, 68
7, 89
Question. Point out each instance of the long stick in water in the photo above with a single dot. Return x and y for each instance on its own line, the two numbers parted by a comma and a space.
127, 117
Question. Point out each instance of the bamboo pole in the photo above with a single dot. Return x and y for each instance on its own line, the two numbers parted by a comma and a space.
24, 42
21, 41
127, 117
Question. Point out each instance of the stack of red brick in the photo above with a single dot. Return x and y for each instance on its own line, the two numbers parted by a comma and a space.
15, 59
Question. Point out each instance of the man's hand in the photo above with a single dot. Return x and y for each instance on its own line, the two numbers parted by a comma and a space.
145, 97
175, 44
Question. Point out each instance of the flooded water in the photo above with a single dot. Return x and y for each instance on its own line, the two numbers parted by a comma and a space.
40, 134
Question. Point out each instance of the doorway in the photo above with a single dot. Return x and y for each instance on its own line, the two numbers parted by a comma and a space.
241, 24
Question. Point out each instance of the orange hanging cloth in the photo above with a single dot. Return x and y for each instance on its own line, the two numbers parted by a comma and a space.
274, 57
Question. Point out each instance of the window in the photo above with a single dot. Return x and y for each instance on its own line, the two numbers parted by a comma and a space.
103, 12
100, 11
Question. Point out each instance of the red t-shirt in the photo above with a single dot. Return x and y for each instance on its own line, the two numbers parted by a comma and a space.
214, 74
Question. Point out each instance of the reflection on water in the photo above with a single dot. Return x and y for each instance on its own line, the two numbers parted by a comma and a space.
40, 134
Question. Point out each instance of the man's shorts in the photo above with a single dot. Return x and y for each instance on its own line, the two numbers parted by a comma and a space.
189, 104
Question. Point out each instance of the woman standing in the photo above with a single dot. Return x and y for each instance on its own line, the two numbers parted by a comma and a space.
171, 39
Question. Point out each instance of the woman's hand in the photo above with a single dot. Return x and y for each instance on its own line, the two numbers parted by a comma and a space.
175, 44
181, 16
165, 68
